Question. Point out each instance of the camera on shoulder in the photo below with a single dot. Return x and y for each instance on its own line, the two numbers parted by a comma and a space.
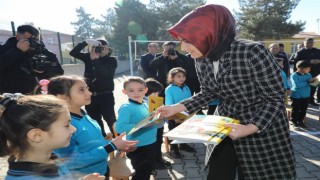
37, 45
38, 61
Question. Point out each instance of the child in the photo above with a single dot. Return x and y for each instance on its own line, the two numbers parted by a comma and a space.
284, 78
129, 114
300, 92
174, 93
88, 150
154, 89
31, 127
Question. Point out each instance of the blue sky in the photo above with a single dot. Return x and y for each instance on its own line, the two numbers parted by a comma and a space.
56, 15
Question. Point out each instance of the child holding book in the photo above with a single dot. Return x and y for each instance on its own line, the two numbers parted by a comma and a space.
88, 150
154, 89
175, 92
131, 113
31, 127
300, 92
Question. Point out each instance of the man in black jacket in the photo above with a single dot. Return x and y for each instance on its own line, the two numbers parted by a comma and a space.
99, 71
149, 72
24, 60
312, 55
170, 58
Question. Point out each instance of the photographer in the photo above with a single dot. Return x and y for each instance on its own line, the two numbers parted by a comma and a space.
99, 71
170, 58
24, 60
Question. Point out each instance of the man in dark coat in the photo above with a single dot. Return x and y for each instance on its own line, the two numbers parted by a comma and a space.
24, 60
312, 55
149, 72
170, 58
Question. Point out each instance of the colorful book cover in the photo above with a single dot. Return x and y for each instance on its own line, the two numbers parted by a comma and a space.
150, 118
154, 102
207, 129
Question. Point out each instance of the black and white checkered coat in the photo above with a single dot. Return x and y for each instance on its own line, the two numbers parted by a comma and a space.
250, 89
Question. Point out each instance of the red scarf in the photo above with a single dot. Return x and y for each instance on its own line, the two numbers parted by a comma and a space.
210, 28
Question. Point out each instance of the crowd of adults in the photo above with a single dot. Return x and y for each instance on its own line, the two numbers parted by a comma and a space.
156, 64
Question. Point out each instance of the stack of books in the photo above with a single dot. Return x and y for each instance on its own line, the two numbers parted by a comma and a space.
208, 129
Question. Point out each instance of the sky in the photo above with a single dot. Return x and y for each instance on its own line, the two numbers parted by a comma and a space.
56, 15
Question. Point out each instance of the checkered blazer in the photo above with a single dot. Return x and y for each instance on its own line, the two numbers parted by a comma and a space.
251, 90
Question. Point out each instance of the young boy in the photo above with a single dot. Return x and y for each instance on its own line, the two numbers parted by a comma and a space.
129, 114
154, 89
300, 92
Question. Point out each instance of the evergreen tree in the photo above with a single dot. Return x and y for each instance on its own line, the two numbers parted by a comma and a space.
171, 11
135, 20
267, 19
105, 26
84, 26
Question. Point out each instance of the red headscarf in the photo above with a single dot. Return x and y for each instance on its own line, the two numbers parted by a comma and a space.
210, 28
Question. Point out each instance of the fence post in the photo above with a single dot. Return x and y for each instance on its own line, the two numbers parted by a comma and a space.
130, 55
75, 60
13, 29
59, 44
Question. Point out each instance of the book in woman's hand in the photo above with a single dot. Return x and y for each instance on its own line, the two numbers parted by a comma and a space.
207, 129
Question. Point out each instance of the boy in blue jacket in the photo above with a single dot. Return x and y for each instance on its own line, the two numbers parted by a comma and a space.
131, 113
300, 92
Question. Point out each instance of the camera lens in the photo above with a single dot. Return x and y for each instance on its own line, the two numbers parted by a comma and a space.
98, 49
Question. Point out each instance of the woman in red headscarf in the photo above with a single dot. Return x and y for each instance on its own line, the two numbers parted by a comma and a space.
246, 79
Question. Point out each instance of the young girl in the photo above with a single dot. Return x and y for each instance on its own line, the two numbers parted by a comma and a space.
88, 150
130, 113
31, 127
174, 93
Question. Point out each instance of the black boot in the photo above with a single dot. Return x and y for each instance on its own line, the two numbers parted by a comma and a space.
162, 164
174, 151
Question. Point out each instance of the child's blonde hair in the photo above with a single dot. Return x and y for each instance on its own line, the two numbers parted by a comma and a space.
173, 72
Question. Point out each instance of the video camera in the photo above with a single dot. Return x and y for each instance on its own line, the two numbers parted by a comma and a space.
38, 61
171, 51
37, 45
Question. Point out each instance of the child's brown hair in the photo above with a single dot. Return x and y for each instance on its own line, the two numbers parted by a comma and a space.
134, 79
173, 72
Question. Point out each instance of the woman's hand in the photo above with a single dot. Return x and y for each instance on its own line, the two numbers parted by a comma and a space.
167, 111
239, 130
124, 145
93, 176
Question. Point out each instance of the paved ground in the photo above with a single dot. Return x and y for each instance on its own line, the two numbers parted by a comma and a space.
191, 167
